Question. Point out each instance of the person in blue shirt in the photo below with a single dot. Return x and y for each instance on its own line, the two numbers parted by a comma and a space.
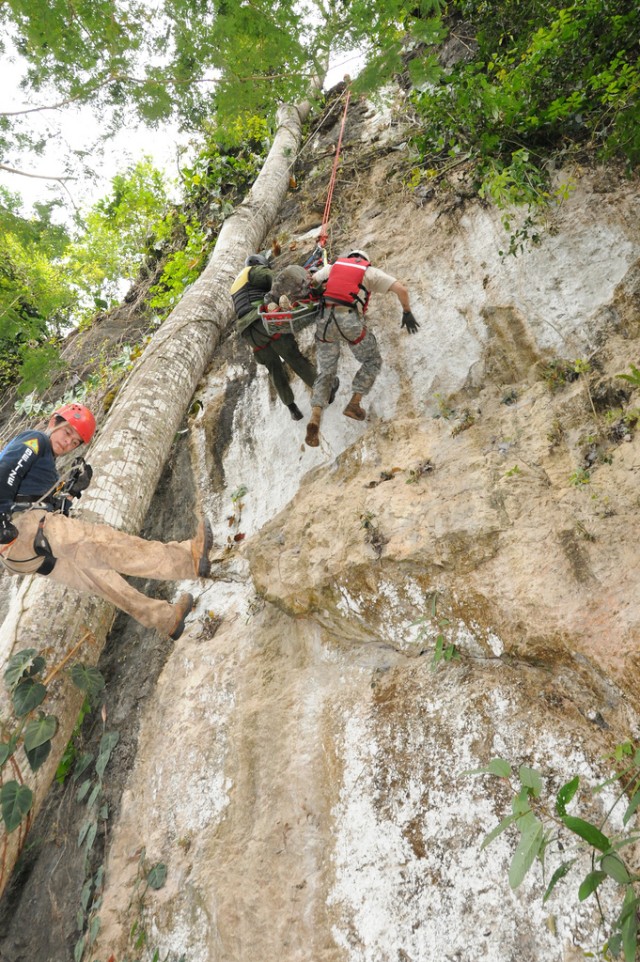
37, 536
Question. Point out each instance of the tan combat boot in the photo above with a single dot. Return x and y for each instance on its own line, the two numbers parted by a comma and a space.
313, 428
182, 607
353, 409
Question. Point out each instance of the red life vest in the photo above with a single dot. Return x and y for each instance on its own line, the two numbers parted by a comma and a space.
344, 284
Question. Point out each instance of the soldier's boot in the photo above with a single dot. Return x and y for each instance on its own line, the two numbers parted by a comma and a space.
353, 409
294, 410
313, 428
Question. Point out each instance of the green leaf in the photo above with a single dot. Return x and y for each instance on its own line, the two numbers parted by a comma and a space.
509, 820
530, 778
629, 928
87, 679
633, 805
565, 795
82, 791
38, 756
27, 695
17, 665
614, 866
588, 832
39, 731
84, 829
528, 847
78, 951
82, 764
108, 742
559, 873
157, 875
497, 766
94, 928
590, 884
16, 800
6, 750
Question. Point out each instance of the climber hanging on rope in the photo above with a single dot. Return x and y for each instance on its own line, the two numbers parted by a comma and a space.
38, 536
348, 284
250, 290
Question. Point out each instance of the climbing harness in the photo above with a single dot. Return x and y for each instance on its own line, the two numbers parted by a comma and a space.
332, 317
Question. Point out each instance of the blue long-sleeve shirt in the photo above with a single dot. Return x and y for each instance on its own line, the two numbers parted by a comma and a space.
27, 467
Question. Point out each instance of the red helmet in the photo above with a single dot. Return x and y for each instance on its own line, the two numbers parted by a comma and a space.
80, 418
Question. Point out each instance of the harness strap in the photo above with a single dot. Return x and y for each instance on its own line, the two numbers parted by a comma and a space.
332, 317
42, 547
272, 337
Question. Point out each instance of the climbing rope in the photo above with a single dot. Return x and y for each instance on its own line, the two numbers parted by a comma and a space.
322, 239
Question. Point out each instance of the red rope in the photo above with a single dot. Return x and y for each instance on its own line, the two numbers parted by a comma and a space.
322, 239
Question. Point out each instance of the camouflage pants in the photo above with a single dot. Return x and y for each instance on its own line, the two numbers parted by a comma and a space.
333, 330
272, 352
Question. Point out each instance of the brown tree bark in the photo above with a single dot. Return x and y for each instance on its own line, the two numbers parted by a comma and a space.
128, 456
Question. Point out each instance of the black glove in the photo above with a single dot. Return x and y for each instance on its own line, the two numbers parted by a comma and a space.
79, 482
409, 321
8, 530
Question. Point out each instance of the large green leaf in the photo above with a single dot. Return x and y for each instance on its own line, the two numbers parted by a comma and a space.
38, 756
528, 848
18, 664
87, 679
590, 884
614, 866
629, 928
530, 778
590, 833
39, 731
27, 695
15, 800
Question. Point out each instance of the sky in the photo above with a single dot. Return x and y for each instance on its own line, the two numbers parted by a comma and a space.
80, 128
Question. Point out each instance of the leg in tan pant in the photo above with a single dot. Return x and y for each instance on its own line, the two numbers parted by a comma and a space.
92, 558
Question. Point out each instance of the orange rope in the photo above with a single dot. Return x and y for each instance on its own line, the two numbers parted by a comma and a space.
322, 239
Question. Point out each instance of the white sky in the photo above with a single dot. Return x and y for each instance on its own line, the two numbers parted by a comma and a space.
80, 128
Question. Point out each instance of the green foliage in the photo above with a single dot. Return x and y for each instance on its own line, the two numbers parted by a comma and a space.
216, 181
36, 297
91, 794
116, 235
541, 81
433, 623
633, 378
30, 727
545, 828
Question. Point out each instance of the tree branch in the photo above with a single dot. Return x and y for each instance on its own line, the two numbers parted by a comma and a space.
23, 173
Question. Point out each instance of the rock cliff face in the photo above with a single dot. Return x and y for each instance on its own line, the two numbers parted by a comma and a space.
297, 760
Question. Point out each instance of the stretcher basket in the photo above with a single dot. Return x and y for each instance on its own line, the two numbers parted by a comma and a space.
302, 314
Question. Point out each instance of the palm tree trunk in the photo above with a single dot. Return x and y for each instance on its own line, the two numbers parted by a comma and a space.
128, 457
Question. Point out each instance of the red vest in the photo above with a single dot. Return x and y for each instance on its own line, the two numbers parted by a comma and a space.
344, 284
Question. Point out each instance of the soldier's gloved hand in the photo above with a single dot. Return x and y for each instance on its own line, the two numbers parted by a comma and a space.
8, 530
409, 321
82, 482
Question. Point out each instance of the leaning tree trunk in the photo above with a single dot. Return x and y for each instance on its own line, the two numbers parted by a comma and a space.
128, 457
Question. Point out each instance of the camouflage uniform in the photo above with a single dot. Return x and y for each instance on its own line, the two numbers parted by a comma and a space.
339, 325
269, 350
